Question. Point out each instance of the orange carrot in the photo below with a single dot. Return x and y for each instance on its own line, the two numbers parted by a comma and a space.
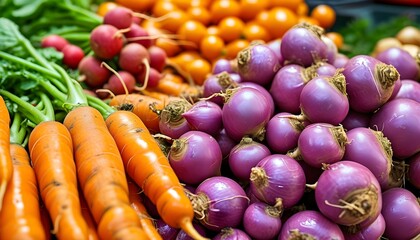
6, 165
146, 164
46, 221
159, 95
51, 151
93, 235
101, 175
20, 218
141, 106
177, 89
145, 219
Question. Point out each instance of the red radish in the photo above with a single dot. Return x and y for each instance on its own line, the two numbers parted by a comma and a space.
72, 55
158, 58
370, 82
348, 194
119, 17
153, 79
123, 83
106, 41
190, 152
303, 45
133, 57
92, 73
54, 41
401, 211
140, 35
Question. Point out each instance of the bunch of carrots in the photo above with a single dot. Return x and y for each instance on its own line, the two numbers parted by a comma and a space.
71, 165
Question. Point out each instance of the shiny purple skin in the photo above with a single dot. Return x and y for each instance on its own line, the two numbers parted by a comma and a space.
222, 65
355, 119
205, 116
364, 90
263, 91
245, 156
409, 89
397, 87
197, 149
399, 121
281, 170
322, 102
231, 234
402, 61
217, 83
182, 235
225, 143
246, 113
373, 231
258, 64
340, 60
282, 132
227, 202
331, 49
414, 170
318, 145
302, 46
401, 212
326, 69
312, 223
286, 87
174, 130
274, 45
259, 223
165, 231
364, 147
337, 182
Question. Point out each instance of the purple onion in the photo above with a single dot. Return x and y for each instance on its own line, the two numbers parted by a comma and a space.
302, 44
311, 173
373, 231
287, 85
165, 231
405, 64
245, 113
191, 152
219, 202
282, 132
182, 235
340, 60
171, 121
274, 45
324, 99
216, 84
399, 121
320, 143
401, 211
370, 82
310, 224
263, 90
332, 50
409, 89
373, 150
245, 156
235, 77
397, 86
326, 69
348, 194
278, 176
205, 116
231, 234
222, 65
356, 119
257, 63
225, 143
414, 170
262, 221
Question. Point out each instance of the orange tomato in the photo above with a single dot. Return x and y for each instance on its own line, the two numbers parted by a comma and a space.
171, 47
182, 4
200, 3
104, 7
184, 58
262, 19
174, 22
192, 31
232, 48
213, 30
220, 9
253, 31
302, 9
280, 20
324, 14
200, 14
198, 70
211, 47
290, 4
230, 28
138, 6
308, 19
249, 9
163, 7
336, 37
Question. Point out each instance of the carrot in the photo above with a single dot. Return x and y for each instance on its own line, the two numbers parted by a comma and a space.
159, 95
142, 106
145, 219
51, 151
177, 89
146, 164
46, 221
101, 175
20, 218
93, 235
6, 165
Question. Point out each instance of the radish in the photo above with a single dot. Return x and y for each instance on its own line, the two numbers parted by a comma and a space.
119, 17
106, 41
138, 34
121, 83
54, 41
133, 58
72, 55
92, 73
158, 57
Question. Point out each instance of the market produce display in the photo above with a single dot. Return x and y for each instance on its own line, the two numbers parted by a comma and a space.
206, 119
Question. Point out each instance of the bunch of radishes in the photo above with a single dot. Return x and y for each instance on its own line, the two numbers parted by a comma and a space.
124, 55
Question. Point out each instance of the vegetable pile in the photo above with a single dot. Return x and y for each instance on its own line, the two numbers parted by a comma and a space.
112, 136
